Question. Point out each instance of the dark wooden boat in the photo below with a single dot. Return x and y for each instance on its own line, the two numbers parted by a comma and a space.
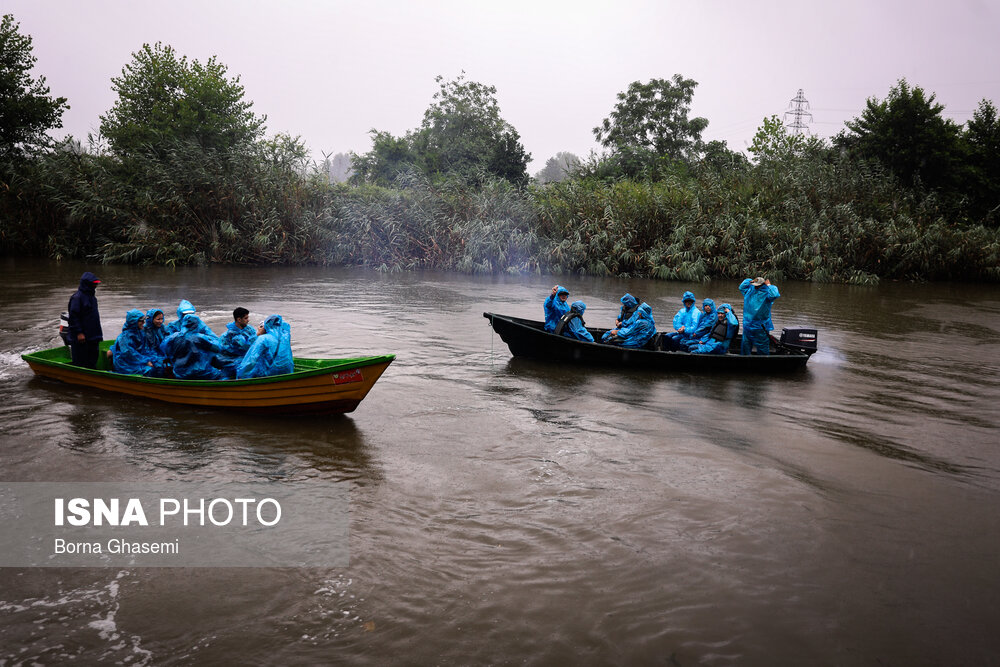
317, 386
528, 338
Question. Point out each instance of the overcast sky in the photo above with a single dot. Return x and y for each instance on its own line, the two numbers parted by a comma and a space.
331, 70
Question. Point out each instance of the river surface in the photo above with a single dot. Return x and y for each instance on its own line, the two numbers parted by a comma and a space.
512, 512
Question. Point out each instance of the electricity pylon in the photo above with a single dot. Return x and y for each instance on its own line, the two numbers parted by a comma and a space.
798, 107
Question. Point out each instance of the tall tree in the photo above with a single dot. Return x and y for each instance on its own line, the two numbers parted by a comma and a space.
462, 134
907, 133
164, 98
982, 140
558, 168
27, 111
651, 122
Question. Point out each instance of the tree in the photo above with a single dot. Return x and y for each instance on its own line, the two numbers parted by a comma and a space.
27, 111
720, 159
982, 141
908, 135
462, 134
774, 144
388, 157
558, 168
650, 122
340, 168
163, 98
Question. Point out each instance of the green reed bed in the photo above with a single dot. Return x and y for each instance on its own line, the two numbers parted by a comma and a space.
808, 218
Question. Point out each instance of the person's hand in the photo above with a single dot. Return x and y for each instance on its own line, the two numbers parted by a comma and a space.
260, 330
80, 338
681, 330
149, 363
554, 288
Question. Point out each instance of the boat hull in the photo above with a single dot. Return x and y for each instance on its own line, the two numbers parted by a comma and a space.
528, 338
318, 386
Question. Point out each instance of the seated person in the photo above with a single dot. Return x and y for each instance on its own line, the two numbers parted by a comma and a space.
237, 339
718, 339
129, 353
572, 325
705, 324
685, 322
637, 331
185, 308
155, 333
555, 307
270, 353
629, 306
191, 351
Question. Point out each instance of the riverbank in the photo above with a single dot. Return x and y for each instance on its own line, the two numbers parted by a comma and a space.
813, 220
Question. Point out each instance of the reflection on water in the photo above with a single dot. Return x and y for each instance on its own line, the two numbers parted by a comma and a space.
508, 510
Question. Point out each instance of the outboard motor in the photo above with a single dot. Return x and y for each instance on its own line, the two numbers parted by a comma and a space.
801, 340
64, 328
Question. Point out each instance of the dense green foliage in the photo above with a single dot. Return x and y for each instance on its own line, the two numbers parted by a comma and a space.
462, 136
198, 184
27, 111
650, 125
163, 99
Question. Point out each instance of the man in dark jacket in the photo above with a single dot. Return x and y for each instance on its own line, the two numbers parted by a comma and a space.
85, 322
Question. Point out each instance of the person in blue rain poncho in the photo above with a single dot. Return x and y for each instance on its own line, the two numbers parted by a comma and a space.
555, 307
184, 309
705, 324
721, 335
572, 325
237, 339
758, 295
155, 333
271, 352
637, 331
629, 306
130, 354
685, 322
191, 351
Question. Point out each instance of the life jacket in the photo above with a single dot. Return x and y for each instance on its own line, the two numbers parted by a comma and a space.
721, 329
564, 320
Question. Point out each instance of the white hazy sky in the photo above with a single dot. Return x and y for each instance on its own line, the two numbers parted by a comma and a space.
330, 70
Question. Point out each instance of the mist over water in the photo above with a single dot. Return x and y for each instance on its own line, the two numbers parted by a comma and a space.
510, 511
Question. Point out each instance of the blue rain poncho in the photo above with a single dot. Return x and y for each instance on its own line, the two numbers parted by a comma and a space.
235, 343
191, 351
705, 324
154, 335
757, 323
757, 305
639, 329
271, 352
687, 316
717, 341
629, 306
185, 308
555, 308
130, 354
573, 325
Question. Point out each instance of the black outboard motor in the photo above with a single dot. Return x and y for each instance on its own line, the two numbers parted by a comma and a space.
64, 328
800, 340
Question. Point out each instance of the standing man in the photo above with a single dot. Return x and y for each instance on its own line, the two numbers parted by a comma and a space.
758, 295
85, 322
